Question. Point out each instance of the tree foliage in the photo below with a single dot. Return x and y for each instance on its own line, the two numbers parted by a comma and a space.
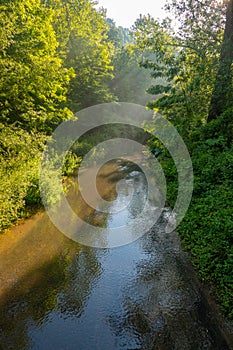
195, 61
84, 46
130, 81
90, 55
33, 81
187, 57
59, 56
54, 59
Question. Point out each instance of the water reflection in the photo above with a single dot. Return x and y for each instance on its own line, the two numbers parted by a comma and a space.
163, 307
119, 182
57, 294
40, 273
119, 217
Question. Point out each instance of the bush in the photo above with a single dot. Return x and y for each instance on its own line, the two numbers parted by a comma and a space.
207, 229
20, 160
20, 154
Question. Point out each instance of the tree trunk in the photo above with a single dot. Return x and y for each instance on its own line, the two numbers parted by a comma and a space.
222, 97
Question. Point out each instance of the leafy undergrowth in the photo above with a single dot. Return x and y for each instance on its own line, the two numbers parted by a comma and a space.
20, 154
20, 160
207, 229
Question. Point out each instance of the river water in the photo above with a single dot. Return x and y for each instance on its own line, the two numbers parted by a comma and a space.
58, 294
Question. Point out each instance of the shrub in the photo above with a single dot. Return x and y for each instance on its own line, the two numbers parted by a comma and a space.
20, 154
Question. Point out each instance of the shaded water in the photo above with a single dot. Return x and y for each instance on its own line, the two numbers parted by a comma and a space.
57, 294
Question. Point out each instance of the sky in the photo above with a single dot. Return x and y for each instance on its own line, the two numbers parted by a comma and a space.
125, 12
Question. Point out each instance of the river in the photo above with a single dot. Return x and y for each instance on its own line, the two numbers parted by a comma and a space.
58, 294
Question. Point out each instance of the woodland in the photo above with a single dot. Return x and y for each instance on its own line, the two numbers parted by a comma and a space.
60, 56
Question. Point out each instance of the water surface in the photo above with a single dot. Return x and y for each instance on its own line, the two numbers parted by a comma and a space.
57, 294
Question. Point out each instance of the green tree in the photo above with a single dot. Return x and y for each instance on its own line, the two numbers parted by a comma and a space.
130, 81
33, 81
117, 35
186, 59
83, 45
195, 62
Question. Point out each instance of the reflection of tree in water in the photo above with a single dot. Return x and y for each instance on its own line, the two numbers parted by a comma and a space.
139, 196
133, 175
82, 273
162, 308
63, 286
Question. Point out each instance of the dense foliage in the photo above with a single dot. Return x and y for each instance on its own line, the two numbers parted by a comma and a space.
207, 228
59, 56
45, 70
33, 81
20, 154
195, 63
56, 57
